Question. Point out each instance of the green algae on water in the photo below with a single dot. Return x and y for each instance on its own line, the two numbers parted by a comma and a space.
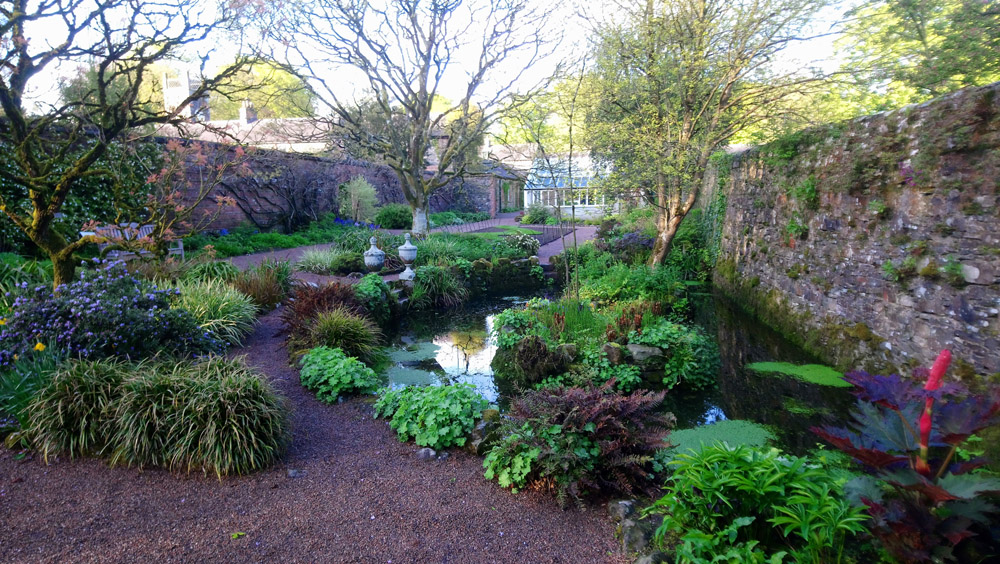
812, 373
733, 432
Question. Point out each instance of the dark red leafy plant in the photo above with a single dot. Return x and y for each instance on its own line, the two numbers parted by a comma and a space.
923, 503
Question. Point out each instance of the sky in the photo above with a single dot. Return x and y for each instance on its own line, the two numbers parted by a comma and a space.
574, 29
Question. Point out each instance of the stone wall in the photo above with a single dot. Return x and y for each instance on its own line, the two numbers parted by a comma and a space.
271, 178
875, 242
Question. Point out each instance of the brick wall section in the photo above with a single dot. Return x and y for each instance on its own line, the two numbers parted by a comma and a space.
918, 189
325, 175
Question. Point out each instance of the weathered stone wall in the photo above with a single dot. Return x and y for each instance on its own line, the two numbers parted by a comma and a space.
876, 242
274, 175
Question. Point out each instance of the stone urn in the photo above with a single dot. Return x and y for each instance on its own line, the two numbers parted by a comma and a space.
374, 257
408, 254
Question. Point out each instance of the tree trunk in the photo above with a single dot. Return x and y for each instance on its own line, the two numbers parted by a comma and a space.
63, 269
667, 229
421, 225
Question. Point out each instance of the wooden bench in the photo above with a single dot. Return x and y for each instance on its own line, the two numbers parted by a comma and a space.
130, 232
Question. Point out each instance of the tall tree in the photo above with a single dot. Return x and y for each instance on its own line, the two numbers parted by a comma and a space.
405, 52
57, 149
678, 79
273, 92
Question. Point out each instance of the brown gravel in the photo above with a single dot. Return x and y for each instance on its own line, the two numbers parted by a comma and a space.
362, 497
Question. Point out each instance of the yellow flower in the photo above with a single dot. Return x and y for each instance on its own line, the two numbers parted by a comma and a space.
39, 347
15, 357
3, 322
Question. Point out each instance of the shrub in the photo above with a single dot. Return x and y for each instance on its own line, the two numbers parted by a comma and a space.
74, 412
442, 219
536, 214
358, 199
435, 416
340, 328
375, 297
221, 270
106, 312
571, 440
266, 283
923, 505
331, 261
511, 325
218, 308
738, 498
218, 415
329, 373
307, 302
523, 242
437, 287
394, 216
692, 357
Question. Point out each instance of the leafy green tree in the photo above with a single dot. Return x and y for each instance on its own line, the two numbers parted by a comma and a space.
273, 91
908, 51
677, 81
358, 199
53, 152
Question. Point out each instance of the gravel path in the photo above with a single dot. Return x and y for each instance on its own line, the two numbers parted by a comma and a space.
359, 496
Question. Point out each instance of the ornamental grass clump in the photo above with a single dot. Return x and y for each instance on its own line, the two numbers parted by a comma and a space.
578, 440
220, 309
437, 287
105, 313
218, 415
267, 283
340, 328
74, 412
329, 373
299, 311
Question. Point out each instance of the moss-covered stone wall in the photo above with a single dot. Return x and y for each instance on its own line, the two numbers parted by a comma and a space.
875, 242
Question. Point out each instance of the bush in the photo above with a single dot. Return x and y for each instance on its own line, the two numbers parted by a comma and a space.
536, 214
523, 242
394, 216
74, 412
329, 373
571, 440
341, 328
437, 287
105, 313
375, 297
266, 284
308, 302
692, 357
218, 308
218, 415
442, 219
741, 498
435, 416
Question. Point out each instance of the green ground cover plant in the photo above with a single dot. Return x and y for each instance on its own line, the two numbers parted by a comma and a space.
759, 504
329, 373
572, 441
812, 373
433, 416
692, 358
376, 298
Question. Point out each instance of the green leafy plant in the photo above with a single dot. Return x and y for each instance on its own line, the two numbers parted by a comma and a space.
358, 199
573, 440
340, 328
741, 495
218, 308
796, 227
434, 416
526, 243
536, 214
952, 272
394, 216
692, 358
375, 296
329, 373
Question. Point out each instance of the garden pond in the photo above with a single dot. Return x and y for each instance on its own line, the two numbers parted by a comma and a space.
451, 347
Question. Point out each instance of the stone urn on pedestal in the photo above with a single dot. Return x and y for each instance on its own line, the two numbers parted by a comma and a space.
374, 257
408, 254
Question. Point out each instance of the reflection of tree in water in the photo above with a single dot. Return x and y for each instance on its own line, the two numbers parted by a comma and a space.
468, 343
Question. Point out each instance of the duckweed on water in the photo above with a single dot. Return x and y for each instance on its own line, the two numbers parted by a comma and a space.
812, 373
734, 432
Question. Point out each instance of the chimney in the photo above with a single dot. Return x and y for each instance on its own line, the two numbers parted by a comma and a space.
248, 114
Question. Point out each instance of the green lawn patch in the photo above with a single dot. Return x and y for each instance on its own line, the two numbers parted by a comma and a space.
812, 373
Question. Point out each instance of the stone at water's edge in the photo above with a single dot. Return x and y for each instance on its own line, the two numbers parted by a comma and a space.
615, 352
645, 355
568, 351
